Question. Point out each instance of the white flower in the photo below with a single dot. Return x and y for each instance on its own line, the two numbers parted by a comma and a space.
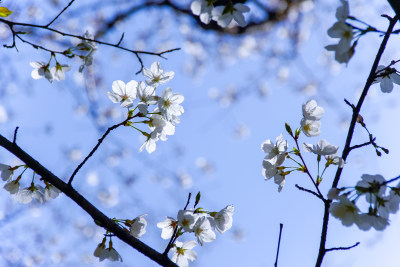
311, 110
12, 186
157, 75
223, 15
183, 252
87, 60
7, 172
372, 186
345, 210
160, 126
27, 194
280, 181
150, 143
269, 169
123, 93
334, 159
343, 51
203, 8
90, 45
58, 71
100, 250
343, 31
51, 192
365, 221
146, 96
276, 152
223, 219
323, 148
202, 230
394, 199
41, 69
168, 226
169, 106
386, 78
187, 219
333, 193
138, 226
342, 12
310, 127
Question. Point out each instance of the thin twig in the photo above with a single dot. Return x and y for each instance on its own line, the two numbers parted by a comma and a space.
343, 248
62, 11
15, 135
309, 191
361, 145
97, 146
279, 244
136, 52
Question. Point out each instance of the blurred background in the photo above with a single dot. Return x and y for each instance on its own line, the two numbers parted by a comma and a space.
240, 85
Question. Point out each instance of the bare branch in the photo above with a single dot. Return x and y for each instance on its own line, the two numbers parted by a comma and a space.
279, 244
62, 11
343, 248
309, 191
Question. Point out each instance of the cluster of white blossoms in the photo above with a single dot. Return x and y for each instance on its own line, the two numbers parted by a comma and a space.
163, 118
223, 15
41, 69
27, 194
381, 203
344, 50
57, 72
276, 155
136, 227
386, 76
199, 222
277, 152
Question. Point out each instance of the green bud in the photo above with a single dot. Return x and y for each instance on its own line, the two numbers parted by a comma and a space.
198, 196
288, 129
297, 133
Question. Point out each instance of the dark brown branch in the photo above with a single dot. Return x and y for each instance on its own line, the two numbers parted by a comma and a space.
96, 214
279, 245
346, 149
343, 248
136, 52
361, 145
59, 14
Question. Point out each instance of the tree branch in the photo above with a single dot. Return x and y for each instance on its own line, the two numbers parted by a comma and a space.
343, 248
279, 245
346, 149
96, 214
59, 14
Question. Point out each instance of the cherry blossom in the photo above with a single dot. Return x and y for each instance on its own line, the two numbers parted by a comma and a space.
310, 127
51, 192
138, 226
12, 186
124, 94
7, 172
222, 220
169, 106
187, 219
202, 230
386, 77
168, 226
311, 110
27, 194
323, 148
203, 8
182, 252
156, 75
41, 70
58, 71
146, 96
345, 210
276, 152
223, 15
